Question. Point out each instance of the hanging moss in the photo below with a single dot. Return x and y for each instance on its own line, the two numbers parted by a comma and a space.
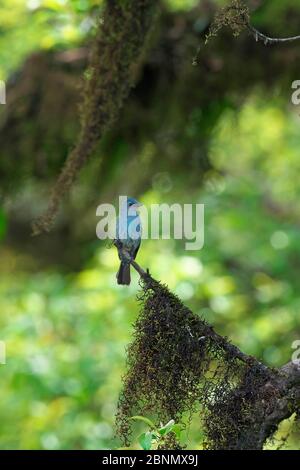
117, 47
236, 16
177, 363
233, 417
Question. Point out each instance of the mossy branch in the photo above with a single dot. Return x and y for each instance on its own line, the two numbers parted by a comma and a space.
177, 360
122, 32
232, 349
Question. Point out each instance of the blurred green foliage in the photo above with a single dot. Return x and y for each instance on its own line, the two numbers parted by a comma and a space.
3, 223
27, 25
66, 334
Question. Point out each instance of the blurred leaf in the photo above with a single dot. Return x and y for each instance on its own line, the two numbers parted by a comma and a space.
167, 428
145, 440
144, 420
177, 428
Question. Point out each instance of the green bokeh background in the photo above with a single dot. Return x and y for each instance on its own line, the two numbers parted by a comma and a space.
65, 327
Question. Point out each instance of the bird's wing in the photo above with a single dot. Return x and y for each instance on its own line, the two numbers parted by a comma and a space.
136, 249
136, 243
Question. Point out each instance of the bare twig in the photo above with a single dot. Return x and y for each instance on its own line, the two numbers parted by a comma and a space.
236, 15
267, 39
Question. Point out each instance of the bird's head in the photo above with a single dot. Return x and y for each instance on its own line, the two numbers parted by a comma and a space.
133, 204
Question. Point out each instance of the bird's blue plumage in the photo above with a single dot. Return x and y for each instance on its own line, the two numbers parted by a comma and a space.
129, 235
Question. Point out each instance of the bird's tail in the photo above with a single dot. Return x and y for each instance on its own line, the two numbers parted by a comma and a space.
123, 275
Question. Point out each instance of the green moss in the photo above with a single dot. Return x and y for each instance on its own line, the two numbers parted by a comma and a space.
121, 37
176, 364
236, 16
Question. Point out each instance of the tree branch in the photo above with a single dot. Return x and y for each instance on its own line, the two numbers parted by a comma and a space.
236, 15
277, 399
286, 384
227, 346
267, 39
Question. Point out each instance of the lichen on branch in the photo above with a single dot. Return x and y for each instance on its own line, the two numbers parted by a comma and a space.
236, 16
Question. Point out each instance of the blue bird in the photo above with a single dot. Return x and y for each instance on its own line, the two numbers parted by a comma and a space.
128, 236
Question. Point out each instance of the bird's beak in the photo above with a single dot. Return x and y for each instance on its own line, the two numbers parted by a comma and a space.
137, 204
